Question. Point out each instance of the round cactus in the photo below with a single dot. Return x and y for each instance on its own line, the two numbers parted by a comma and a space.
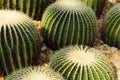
35, 73
82, 63
111, 30
96, 5
68, 22
33, 8
19, 41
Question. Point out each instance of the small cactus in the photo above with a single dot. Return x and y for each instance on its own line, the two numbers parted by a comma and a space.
33, 8
19, 41
68, 22
82, 63
111, 30
35, 73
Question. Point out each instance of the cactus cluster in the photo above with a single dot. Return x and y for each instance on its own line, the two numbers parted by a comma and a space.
19, 41
111, 30
82, 63
68, 22
35, 73
33, 8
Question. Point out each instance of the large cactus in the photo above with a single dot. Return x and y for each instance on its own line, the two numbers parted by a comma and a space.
35, 73
68, 22
111, 31
34, 8
19, 41
82, 63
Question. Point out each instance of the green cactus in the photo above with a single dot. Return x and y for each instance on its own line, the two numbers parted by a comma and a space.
111, 30
33, 8
96, 5
19, 41
82, 63
35, 73
68, 22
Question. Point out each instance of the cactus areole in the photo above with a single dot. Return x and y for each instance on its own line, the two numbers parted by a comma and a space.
68, 22
18, 41
82, 63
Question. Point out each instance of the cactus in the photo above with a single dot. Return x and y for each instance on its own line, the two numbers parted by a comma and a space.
96, 5
68, 22
19, 41
33, 8
35, 73
82, 63
111, 30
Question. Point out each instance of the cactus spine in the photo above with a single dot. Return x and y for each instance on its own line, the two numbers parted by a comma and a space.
33, 8
35, 73
18, 41
68, 22
82, 63
111, 31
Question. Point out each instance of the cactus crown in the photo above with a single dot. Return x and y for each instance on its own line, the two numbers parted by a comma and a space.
72, 4
19, 41
12, 17
82, 56
82, 63
96, 5
111, 31
35, 73
68, 22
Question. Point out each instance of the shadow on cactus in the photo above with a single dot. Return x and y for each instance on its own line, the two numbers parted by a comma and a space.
33, 8
35, 73
111, 29
19, 41
82, 63
68, 22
